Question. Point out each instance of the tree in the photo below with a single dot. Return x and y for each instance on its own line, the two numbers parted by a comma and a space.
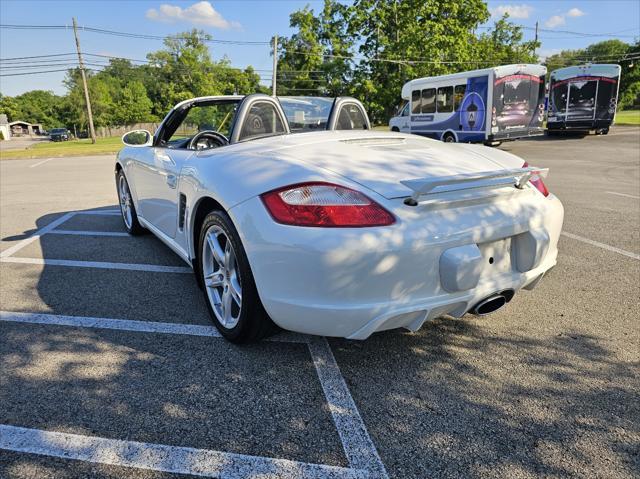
503, 45
401, 40
315, 59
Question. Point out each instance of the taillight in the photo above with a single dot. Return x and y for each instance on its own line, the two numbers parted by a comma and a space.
536, 181
324, 205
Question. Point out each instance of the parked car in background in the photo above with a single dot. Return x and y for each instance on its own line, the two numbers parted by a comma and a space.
59, 134
583, 98
334, 232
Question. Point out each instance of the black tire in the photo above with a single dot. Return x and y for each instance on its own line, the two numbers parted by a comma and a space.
253, 323
132, 225
396, 129
449, 138
602, 131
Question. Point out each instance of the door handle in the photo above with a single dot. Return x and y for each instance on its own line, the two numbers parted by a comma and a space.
172, 180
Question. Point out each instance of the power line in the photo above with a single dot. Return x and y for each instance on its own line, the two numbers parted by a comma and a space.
31, 73
125, 34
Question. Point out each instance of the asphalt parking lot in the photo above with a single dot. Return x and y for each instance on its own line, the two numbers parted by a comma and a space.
109, 366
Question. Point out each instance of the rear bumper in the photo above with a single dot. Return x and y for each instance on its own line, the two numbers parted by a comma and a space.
515, 134
579, 125
353, 282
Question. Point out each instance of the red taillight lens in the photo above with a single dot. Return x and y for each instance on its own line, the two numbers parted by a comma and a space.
536, 181
324, 205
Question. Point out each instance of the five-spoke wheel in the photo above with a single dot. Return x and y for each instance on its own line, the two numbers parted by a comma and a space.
227, 280
127, 208
221, 276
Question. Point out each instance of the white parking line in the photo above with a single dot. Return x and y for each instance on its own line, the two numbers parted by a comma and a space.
88, 233
42, 231
99, 212
41, 162
132, 325
623, 194
602, 245
99, 264
358, 447
159, 457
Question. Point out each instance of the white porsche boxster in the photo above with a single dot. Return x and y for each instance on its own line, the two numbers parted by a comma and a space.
293, 213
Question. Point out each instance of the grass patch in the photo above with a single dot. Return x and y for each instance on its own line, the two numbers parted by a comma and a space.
628, 117
82, 147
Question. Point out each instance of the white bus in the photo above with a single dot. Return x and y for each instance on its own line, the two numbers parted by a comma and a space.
583, 98
489, 105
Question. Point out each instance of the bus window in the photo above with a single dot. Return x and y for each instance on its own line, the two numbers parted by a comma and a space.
459, 95
415, 102
429, 100
445, 99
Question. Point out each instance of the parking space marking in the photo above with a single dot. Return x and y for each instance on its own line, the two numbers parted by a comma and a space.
41, 162
602, 245
159, 457
357, 444
88, 233
99, 212
42, 231
100, 265
133, 325
623, 194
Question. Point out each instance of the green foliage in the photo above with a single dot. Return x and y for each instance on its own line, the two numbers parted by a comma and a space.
415, 38
37, 106
124, 93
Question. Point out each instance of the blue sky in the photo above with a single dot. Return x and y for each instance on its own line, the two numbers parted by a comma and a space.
251, 20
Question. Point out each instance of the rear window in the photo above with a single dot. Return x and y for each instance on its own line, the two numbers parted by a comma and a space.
59, 130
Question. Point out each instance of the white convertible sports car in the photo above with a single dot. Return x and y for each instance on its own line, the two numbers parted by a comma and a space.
338, 232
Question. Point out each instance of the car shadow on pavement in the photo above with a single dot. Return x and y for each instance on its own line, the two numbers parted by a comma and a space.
261, 399
457, 400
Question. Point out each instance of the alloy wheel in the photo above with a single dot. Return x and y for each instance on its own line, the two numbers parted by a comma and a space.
125, 201
221, 276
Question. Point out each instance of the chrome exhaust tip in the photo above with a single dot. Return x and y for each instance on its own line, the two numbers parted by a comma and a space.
491, 304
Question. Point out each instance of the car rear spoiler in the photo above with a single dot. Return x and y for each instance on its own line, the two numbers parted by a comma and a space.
517, 177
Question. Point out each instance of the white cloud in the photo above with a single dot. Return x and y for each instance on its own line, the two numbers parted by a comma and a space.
575, 12
201, 13
558, 20
514, 11
555, 21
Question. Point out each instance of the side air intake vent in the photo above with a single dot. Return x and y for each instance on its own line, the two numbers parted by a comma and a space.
183, 211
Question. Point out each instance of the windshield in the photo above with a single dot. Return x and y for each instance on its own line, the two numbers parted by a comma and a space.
216, 116
306, 113
59, 130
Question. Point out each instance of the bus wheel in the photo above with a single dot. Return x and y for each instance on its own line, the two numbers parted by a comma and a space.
449, 138
396, 129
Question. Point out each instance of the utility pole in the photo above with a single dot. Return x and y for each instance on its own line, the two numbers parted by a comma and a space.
92, 131
536, 40
275, 64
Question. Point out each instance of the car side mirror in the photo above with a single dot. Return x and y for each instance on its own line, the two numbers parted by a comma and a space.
137, 138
